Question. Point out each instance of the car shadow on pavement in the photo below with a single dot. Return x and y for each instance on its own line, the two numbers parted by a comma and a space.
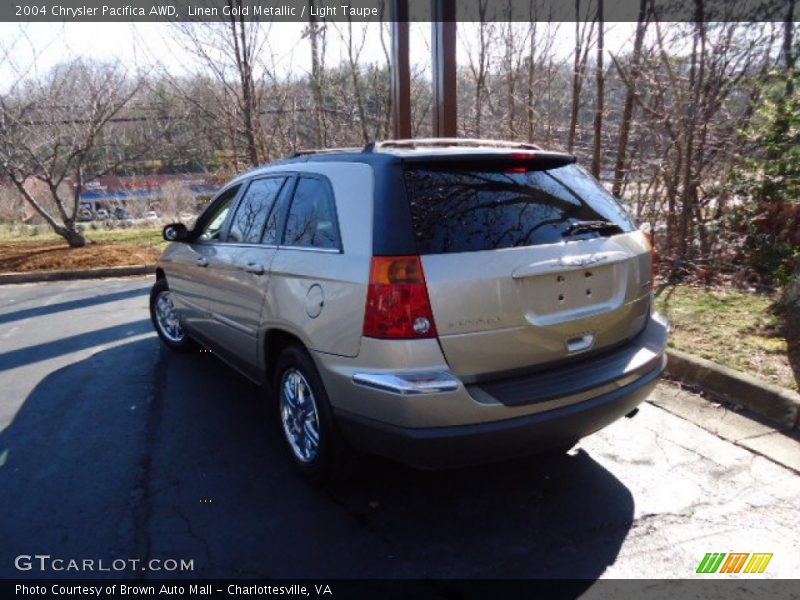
73, 343
49, 309
139, 453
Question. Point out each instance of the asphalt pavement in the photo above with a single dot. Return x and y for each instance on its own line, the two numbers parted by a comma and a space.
112, 447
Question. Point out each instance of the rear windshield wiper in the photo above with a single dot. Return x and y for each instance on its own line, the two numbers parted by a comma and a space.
602, 227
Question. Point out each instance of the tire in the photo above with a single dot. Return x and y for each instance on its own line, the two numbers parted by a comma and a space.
307, 414
169, 331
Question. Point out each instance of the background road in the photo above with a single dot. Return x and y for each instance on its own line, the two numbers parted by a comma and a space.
112, 447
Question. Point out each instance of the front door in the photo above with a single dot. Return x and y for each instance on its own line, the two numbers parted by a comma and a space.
188, 270
240, 274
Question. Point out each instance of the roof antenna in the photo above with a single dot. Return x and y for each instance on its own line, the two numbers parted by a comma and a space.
369, 147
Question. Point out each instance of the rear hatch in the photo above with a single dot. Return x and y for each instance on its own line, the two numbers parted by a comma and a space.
528, 260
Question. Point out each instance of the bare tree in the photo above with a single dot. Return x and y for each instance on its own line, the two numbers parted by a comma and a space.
692, 105
175, 199
317, 36
480, 64
64, 131
233, 54
384, 29
541, 36
630, 79
584, 40
11, 205
354, 49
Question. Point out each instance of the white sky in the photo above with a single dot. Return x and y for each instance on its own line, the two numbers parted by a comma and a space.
34, 48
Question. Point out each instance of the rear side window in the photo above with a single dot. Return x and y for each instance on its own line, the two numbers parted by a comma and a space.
251, 214
469, 211
311, 222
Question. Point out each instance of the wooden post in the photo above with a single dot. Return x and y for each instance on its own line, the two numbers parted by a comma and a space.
401, 78
443, 37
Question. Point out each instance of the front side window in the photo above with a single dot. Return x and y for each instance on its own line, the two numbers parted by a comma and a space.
251, 214
311, 222
211, 225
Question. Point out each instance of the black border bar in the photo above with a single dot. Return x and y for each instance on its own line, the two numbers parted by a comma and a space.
140, 11
703, 586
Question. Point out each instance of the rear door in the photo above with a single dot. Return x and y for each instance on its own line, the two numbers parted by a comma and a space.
528, 262
319, 273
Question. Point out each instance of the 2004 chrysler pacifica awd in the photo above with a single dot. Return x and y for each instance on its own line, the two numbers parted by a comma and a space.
439, 302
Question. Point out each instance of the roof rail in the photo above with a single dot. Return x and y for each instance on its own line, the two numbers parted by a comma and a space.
308, 151
443, 142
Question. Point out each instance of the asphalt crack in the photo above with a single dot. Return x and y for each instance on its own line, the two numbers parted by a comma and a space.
142, 491
193, 534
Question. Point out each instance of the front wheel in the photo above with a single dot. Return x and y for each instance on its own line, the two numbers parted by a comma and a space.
305, 416
165, 318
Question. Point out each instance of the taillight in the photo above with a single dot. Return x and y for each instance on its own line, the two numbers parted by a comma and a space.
398, 306
654, 258
521, 157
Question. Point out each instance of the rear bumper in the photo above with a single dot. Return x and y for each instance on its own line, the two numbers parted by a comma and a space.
453, 446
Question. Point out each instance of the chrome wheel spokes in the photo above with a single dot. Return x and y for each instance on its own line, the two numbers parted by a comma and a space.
299, 415
167, 318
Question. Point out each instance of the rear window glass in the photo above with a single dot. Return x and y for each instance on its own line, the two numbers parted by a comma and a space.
469, 211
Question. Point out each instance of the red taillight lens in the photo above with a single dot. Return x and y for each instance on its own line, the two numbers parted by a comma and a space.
517, 157
654, 258
397, 300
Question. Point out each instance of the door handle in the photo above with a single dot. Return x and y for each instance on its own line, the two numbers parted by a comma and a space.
255, 268
583, 342
202, 261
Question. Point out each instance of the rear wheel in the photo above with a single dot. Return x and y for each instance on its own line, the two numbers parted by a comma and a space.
305, 418
166, 319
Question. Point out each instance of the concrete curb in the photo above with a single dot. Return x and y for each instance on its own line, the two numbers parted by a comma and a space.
37, 276
770, 401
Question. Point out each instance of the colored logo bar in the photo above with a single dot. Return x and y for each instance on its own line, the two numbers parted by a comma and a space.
735, 562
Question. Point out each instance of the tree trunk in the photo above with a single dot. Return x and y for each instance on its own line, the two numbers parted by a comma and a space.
627, 111
480, 74
788, 52
511, 80
354, 74
531, 70
387, 121
583, 37
598, 111
316, 79
790, 297
245, 67
688, 192
73, 237
576, 80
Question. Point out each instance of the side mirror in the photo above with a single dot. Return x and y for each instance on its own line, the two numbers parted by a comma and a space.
175, 232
